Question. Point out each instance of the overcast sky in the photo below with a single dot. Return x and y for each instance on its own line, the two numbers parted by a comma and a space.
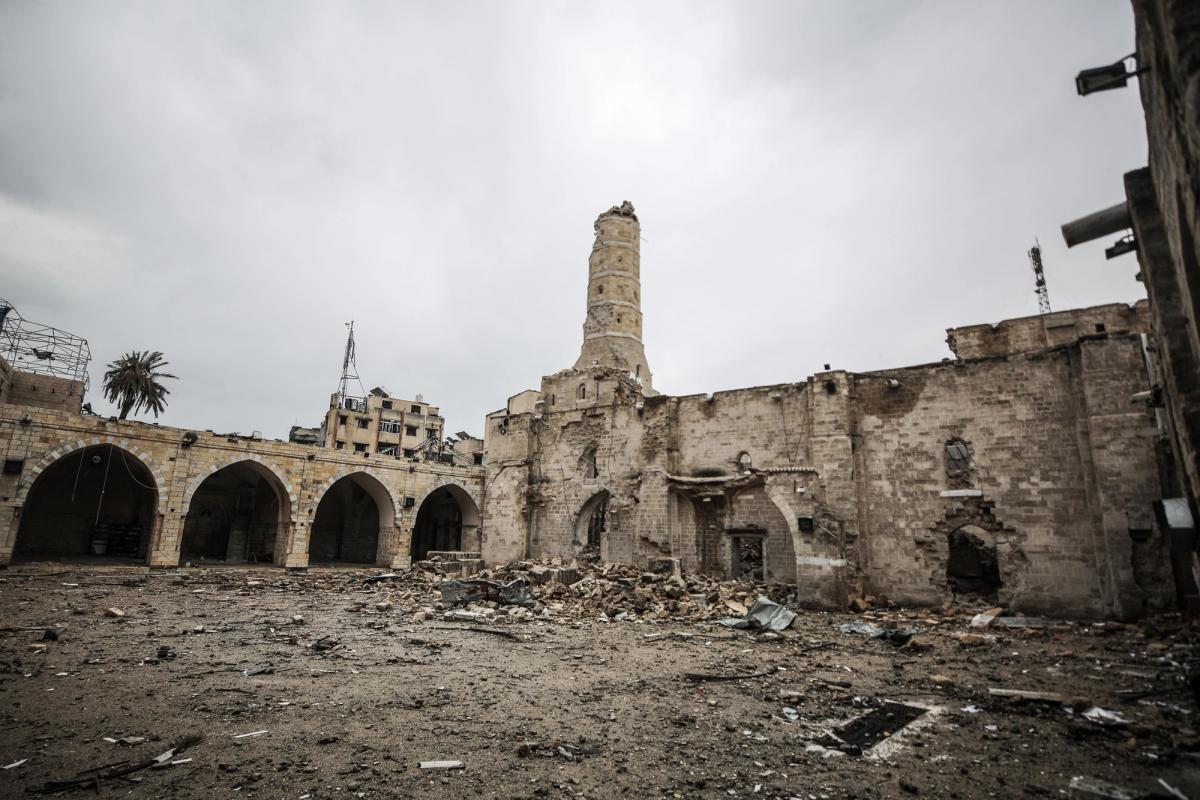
832, 182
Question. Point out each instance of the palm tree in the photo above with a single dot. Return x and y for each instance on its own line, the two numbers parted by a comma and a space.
132, 382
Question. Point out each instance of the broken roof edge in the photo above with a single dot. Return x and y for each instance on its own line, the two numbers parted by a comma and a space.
1138, 306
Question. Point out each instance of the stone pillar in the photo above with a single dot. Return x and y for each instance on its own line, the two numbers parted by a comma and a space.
612, 332
10, 521
165, 540
296, 553
402, 547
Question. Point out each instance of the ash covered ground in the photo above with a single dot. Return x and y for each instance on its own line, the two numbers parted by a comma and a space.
613, 684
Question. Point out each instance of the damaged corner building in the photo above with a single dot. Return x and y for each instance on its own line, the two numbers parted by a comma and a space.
1024, 469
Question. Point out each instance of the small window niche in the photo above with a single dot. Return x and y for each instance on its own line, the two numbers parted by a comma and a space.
587, 463
958, 461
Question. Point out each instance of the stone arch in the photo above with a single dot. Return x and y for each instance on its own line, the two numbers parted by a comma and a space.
67, 448
591, 522
255, 462
758, 511
468, 524
588, 463
386, 506
69, 507
392, 499
973, 562
286, 515
975, 517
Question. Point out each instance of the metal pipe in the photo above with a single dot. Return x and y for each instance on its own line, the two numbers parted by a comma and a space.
1093, 226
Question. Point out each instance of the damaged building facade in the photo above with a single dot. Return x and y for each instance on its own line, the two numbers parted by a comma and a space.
75, 485
1025, 468
1049, 463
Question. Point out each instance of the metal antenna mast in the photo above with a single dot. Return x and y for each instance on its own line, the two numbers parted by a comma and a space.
349, 366
1039, 277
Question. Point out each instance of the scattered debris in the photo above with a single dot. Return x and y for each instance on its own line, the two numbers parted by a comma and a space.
513, 593
128, 741
1102, 716
701, 676
479, 629
892, 635
1025, 695
247, 735
765, 614
441, 765
93, 778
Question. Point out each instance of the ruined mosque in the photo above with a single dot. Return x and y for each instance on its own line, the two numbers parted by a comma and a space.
1048, 464
1026, 467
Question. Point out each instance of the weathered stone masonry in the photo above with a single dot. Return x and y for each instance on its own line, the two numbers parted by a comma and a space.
844, 477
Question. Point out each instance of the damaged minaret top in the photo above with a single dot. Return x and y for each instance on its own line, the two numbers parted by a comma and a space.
612, 332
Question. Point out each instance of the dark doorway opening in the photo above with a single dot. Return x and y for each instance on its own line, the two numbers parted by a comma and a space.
234, 516
347, 523
972, 566
593, 519
439, 525
96, 502
746, 548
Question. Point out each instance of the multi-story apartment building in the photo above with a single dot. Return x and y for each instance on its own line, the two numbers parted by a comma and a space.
380, 423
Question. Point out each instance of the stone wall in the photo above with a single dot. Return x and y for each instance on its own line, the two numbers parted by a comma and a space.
846, 474
1047, 330
40, 391
1164, 201
177, 462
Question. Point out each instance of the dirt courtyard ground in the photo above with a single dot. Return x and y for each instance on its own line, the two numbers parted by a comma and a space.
364, 686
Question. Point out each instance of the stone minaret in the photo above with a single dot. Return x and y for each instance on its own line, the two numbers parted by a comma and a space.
612, 333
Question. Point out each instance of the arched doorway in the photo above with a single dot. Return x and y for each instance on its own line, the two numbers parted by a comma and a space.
354, 518
99, 501
448, 520
972, 564
235, 515
592, 523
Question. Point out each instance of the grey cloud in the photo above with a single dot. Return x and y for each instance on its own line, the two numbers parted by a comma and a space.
818, 182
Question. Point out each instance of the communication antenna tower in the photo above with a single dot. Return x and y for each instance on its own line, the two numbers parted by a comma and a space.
349, 367
1039, 277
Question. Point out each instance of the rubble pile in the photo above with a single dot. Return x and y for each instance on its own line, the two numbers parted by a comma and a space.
584, 588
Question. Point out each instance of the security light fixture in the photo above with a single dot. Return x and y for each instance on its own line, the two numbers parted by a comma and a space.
1112, 76
1121, 247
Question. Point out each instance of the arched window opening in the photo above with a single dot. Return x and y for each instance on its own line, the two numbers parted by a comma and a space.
587, 463
581, 392
592, 523
972, 565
